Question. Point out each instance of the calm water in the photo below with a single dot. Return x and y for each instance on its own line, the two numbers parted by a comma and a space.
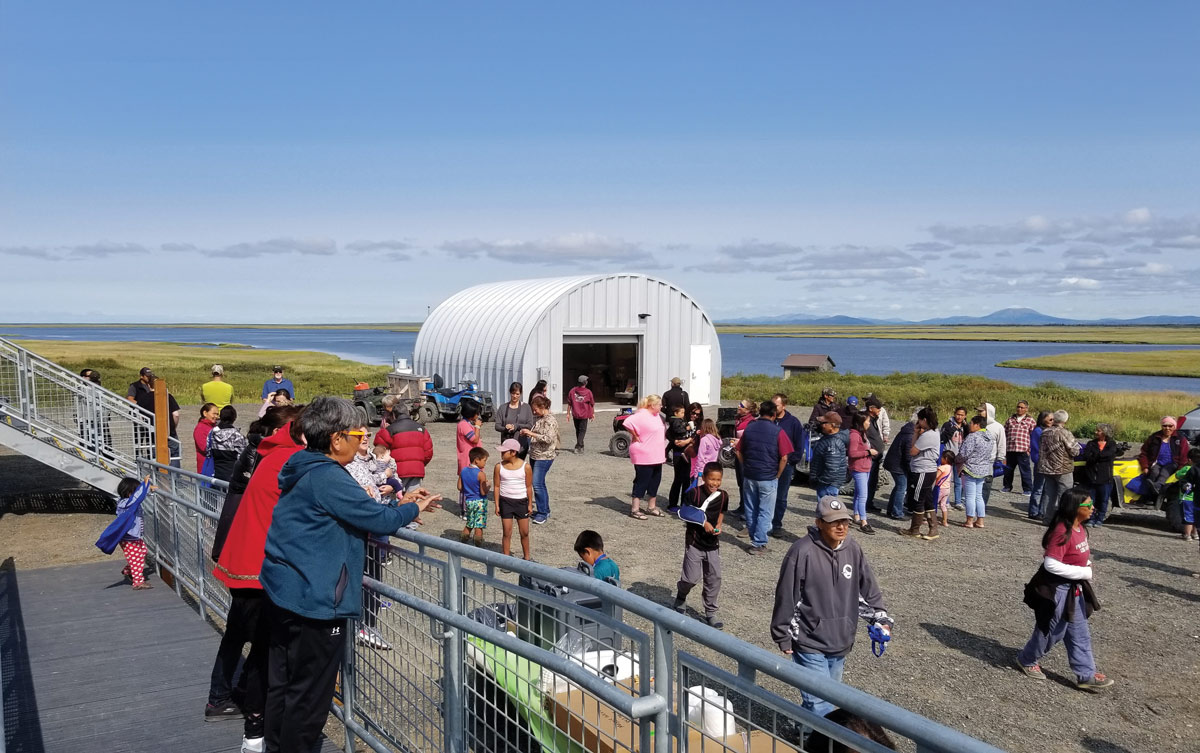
747, 355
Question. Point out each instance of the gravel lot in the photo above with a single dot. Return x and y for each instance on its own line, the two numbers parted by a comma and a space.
957, 602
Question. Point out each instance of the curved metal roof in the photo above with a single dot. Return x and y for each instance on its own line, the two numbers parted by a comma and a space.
488, 326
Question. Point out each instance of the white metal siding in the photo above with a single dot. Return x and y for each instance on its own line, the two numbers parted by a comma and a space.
504, 331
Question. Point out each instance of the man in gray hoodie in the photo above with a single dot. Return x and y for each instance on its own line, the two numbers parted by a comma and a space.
825, 585
999, 442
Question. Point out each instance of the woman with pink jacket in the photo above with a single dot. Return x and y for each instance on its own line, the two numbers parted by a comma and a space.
859, 455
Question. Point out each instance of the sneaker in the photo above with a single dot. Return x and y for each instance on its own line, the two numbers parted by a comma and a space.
540, 519
253, 744
713, 622
1097, 682
372, 638
960, 508
221, 711
1034, 672
776, 533
743, 533
867, 529
758, 550
415, 525
678, 606
672, 509
1007, 489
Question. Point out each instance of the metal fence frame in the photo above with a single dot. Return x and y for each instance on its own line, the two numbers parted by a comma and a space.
180, 518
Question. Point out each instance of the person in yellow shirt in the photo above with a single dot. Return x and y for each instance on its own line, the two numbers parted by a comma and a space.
218, 391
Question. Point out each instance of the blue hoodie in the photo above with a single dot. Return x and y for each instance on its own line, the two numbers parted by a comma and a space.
317, 541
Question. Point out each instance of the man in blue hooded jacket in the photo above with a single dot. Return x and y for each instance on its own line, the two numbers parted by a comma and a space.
312, 572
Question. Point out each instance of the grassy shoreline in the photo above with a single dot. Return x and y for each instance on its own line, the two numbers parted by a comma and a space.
1175, 363
186, 367
388, 327
1134, 414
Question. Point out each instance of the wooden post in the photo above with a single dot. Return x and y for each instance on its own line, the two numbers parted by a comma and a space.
162, 451
162, 422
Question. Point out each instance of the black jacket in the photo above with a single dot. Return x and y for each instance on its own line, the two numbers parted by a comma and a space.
1098, 463
896, 460
673, 398
1039, 596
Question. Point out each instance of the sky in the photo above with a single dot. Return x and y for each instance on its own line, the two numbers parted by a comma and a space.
322, 162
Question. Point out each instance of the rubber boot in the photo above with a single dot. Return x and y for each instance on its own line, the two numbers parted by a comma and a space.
914, 529
931, 519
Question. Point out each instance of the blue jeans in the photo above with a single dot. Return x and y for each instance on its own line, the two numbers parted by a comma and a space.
781, 492
958, 488
541, 497
827, 490
861, 479
1035, 496
973, 496
1074, 635
826, 665
1100, 496
899, 489
758, 501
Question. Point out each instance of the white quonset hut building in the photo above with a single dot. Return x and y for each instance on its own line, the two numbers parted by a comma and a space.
628, 333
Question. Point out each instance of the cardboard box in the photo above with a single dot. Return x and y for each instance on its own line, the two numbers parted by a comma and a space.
594, 725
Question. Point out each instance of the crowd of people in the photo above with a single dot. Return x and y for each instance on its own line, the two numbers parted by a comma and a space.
310, 490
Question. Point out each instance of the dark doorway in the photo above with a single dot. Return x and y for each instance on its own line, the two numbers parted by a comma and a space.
609, 367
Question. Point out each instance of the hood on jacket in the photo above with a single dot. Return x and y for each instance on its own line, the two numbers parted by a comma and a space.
299, 466
989, 410
281, 438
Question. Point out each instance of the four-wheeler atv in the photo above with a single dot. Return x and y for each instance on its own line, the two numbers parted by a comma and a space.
441, 402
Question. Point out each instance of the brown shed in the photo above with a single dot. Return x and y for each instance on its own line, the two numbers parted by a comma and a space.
799, 363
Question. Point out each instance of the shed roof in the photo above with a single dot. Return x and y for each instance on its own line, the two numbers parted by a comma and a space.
806, 361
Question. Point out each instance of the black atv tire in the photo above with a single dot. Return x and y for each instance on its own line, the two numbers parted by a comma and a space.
727, 457
618, 446
428, 413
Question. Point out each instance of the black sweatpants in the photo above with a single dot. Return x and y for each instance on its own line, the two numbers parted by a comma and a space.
683, 476
302, 671
245, 610
580, 431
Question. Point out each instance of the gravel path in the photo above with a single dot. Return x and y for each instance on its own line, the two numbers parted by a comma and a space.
957, 602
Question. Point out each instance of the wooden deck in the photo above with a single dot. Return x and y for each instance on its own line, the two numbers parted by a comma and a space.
88, 664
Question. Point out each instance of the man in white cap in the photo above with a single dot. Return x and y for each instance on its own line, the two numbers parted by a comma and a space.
825, 585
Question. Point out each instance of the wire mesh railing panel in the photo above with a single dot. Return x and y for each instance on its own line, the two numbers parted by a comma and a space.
399, 693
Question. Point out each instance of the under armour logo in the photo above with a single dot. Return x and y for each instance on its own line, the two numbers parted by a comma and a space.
335, 632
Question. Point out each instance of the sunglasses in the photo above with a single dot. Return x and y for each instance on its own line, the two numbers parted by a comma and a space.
1086, 504
356, 434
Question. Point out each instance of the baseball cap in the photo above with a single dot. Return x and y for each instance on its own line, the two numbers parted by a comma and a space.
582, 379
676, 381
218, 369
852, 400
831, 510
873, 402
832, 417
278, 368
146, 371
509, 445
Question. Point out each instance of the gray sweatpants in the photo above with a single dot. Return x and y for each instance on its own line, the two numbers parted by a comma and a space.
1074, 635
698, 564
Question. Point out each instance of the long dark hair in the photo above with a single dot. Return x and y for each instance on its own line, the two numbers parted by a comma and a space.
1068, 508
538, 389
1042, 416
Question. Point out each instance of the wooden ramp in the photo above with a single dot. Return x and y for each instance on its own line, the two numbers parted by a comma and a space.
88, 664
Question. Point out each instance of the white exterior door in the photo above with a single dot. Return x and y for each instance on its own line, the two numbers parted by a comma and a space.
699, 384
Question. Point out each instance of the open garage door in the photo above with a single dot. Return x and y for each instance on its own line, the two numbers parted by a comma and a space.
611, 364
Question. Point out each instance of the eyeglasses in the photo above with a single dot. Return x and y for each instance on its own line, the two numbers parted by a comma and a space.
843, 522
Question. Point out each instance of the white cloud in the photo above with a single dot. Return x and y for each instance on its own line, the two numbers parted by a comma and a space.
278, 246
570, 249
385, 245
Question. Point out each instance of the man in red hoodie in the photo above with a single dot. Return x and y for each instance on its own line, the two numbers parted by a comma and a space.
583, 409
411, 448
238, 568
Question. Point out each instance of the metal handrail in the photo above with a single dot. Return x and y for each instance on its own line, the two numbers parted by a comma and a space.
181, 516
81, 417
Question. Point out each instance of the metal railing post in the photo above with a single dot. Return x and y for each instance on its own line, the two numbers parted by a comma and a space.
453, 708
175, 547
200, 564
348, 684
664, 650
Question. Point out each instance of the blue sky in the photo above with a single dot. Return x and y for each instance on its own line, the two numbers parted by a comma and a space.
369, 159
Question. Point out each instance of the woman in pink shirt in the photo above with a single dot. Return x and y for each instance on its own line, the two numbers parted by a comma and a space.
648, 452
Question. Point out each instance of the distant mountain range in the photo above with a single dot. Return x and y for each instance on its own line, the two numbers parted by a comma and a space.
1006, 317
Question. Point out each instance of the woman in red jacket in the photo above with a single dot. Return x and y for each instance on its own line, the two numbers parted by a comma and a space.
238, 568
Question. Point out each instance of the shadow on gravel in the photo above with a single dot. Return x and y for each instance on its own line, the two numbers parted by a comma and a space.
1140, 562
987, 650
1159, 588
612, 503
1096, 745
1143, 525
657, 594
